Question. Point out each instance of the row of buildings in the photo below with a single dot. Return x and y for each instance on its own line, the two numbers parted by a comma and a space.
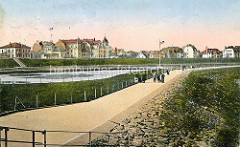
92, 48
190, 51
70, 48
73, 48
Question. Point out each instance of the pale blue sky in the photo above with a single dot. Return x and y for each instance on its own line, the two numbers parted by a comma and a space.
115, 14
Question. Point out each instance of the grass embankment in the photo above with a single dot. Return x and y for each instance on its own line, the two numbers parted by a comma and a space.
125, 61
65, 92
6, 63
204, 111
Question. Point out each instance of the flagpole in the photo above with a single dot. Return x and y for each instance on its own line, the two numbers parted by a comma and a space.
159, 47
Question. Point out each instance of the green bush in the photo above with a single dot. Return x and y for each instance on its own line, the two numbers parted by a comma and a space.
205, 108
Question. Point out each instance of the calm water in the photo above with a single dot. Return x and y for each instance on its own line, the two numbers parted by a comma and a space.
60, 76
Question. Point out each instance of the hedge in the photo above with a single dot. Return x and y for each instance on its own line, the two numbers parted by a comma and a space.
65, 62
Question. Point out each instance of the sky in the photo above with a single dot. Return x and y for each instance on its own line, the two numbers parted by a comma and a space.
128, 24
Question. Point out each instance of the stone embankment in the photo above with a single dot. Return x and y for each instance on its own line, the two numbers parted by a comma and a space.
142, 127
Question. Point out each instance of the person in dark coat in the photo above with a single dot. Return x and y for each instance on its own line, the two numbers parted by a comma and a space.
162, 77
154, 77
167, 72
158, 77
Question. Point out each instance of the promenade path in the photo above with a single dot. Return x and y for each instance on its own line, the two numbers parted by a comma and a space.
83, 117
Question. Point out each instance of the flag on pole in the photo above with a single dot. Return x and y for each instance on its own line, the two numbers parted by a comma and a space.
50, 29
161, 42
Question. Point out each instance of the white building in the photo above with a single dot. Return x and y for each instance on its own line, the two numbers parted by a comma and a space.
13, 50
190, 51
211, 53
228, 52
142, 55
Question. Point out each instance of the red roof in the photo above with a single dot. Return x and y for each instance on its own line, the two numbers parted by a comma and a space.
90, 41
145, 54
70, 41
213, 51
15, 45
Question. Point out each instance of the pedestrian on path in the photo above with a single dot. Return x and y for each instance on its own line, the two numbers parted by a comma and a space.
158, 77
154, 77
168, 72
162, 77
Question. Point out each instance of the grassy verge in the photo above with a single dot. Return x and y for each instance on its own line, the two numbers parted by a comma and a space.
205, 110
6, 63
65, 62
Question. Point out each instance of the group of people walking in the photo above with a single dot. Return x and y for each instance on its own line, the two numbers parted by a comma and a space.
160, 77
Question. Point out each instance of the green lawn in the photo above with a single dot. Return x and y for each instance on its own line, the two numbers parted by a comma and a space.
125, 61
6, 63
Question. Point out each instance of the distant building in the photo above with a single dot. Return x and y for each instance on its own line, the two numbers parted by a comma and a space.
211, 53
15, 50
105, 50
86, 48
131, 54
237, 51
172, 52
50, 51
72, 47
142, 55
119, 53
190, 51
231, 52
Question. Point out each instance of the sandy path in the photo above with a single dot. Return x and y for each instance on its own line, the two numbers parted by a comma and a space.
77, 117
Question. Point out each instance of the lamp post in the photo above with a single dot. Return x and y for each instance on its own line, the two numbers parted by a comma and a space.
159, 46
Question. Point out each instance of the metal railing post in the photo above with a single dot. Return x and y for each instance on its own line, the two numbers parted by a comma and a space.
89, 133
6, 137
36, 101
15, 104
85, 96
33, 138
55, 98
44, 138
1, 136
70, 97
95, 93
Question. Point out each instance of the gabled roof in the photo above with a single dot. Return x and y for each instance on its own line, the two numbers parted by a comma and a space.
105, 39
69, 41
46, 43
74, 41
235, 49
144, 53
209, 50
190, 45
15, 45
91, 41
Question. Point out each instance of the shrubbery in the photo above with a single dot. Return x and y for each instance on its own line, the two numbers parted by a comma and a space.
204, 111
5, 63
